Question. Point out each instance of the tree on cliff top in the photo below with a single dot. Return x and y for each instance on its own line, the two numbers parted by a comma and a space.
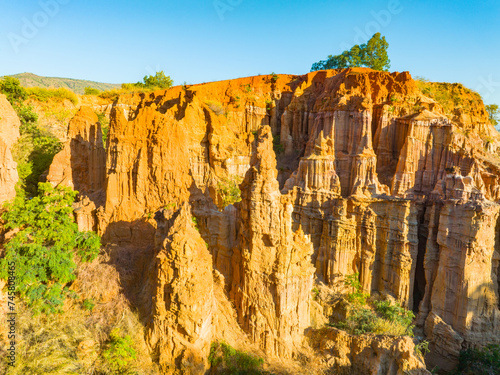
372, 54
158, 81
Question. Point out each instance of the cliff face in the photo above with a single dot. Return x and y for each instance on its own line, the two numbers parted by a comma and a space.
272, 270
81, 165
368, 175
9, 133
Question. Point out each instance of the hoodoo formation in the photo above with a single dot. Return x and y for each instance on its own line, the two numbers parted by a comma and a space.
341, 172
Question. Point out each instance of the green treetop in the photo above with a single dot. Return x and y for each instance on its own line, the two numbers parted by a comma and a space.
372, 54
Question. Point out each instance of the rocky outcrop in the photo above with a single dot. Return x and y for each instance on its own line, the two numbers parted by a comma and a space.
180, 331
9, 133
189, 309
351, 355
81, 163
272, 270
377, 178
463, 293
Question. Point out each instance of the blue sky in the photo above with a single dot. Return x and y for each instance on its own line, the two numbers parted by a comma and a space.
206, 40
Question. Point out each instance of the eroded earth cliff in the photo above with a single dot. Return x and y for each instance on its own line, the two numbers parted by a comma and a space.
341, 171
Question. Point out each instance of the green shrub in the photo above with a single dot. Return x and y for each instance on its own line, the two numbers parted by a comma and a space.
103, 120
474, 361
315, 292
34, 150
379, 317
159, 80
277, 146
394, 312
228, 360
359, 321
357, 296
60, 94
88, 304
12, 89
120, 353
422, 348
229, 190
92, 91
195, 223
43, 249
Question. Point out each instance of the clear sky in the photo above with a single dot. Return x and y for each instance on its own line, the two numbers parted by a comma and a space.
206, 40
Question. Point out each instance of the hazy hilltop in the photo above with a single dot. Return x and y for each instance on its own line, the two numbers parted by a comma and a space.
76, 85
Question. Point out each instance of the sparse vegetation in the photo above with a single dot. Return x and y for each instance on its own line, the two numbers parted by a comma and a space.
74, 342
215, 107
44, 95
277, 146
150, 83
315, 293
36, 147
422, 348
103, 120
477, 361
75, 85
88, 304
229, 191
224, 359
195, 222
119, 353
34, 150
379, 317
91, 91
452, 97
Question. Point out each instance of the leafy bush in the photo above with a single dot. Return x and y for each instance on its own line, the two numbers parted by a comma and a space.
379, 317
229, 190
359, 321
195, 223
92, 91
60, 94
159, 80
13, 90
485, 361
120, 353
228, 360
43, 249
88, 304
394, 312
357, 296
422, 348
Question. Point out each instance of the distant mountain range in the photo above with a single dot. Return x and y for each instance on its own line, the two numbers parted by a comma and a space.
75, 85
